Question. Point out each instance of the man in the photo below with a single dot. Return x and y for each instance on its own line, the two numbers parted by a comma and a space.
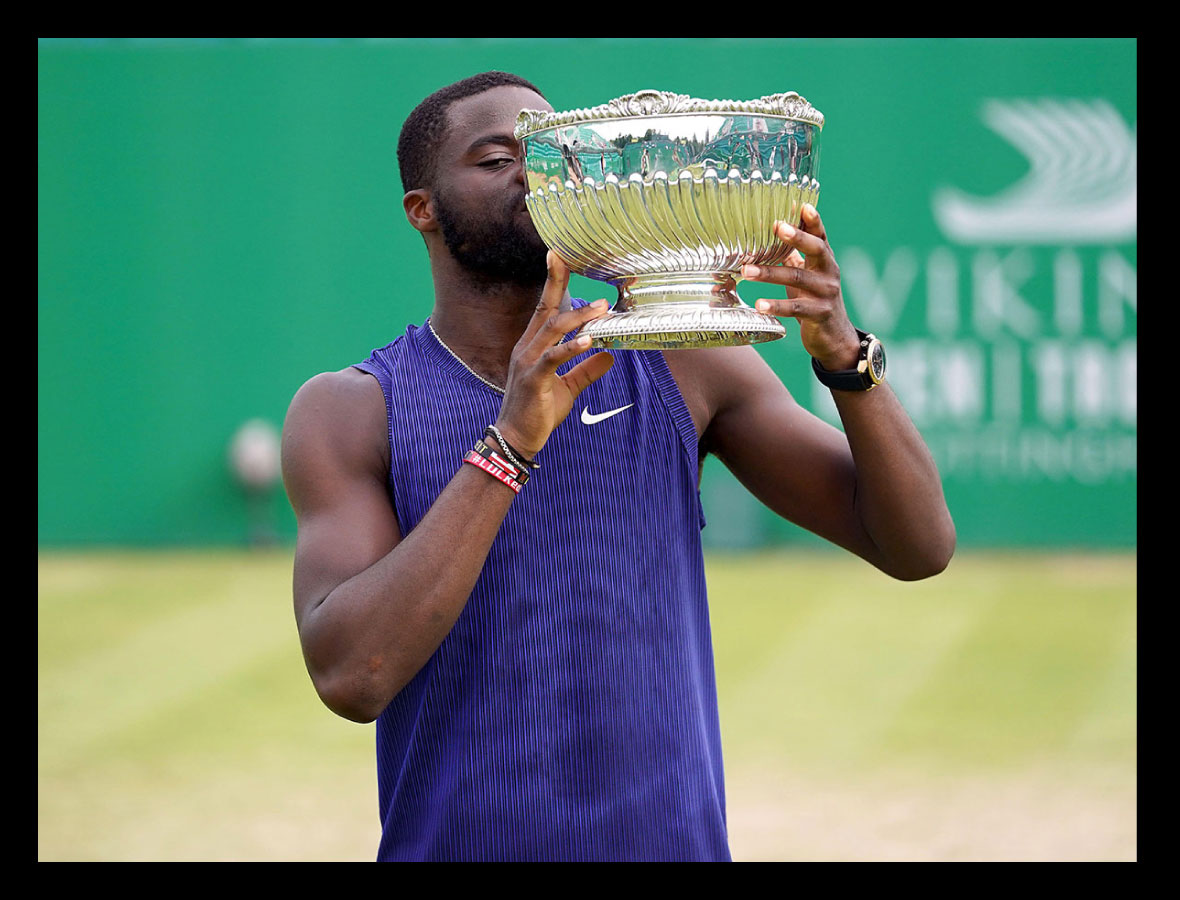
533, 642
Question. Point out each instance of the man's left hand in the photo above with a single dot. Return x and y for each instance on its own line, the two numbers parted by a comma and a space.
814, 297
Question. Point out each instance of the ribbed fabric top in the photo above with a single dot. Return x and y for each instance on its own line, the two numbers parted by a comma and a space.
571, 712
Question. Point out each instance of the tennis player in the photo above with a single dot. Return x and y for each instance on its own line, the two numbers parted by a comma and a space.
499, 528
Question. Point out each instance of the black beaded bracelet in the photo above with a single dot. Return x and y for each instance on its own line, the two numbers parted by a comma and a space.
511, 452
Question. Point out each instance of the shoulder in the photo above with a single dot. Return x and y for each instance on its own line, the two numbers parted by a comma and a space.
347, 396
715, 381
351, 385
336, 419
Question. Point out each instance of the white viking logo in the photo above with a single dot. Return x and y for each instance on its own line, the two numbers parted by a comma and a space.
1080, 187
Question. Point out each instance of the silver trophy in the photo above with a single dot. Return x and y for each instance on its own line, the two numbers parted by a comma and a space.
666, 197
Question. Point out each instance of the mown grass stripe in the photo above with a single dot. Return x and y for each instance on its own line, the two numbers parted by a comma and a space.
204, 639
177, 721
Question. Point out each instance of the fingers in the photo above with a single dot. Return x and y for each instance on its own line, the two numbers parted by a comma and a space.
809, 273
810, 267
557, 279
807, 240
795, 307
555, 328
587, 372
802, 238
812, 223
797, 279
544, 344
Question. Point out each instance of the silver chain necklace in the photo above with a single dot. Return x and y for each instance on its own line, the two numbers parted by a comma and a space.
458, 359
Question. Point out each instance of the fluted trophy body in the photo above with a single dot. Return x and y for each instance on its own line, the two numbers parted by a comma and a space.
666, 197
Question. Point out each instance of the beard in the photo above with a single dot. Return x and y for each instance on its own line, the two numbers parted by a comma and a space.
494, 247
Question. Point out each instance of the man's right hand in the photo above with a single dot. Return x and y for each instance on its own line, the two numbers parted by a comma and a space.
536, 398
371, 604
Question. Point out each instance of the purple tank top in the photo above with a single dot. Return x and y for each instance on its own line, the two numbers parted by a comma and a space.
571, 713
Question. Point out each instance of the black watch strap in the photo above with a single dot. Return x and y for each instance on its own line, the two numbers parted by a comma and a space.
869, 371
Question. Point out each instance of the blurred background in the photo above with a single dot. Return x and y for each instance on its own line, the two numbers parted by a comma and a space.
220, 219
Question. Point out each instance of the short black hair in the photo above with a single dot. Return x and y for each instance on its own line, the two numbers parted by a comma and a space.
425, 127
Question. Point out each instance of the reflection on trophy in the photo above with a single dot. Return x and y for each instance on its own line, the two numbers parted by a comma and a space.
667, 197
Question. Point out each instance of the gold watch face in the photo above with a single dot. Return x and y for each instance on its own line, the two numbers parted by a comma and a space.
877, 362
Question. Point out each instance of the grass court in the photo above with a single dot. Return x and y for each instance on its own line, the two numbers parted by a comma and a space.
986, 714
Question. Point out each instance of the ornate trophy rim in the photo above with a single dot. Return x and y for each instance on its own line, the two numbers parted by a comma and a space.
648, 103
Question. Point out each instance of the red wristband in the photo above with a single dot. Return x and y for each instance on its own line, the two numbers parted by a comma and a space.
492, 469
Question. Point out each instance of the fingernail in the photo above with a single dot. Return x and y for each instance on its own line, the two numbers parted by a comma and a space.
599, 304
749, 271
809, 210
762, 305
584, 341
786, 230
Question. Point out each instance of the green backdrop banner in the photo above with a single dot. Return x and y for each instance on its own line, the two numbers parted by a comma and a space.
218, 220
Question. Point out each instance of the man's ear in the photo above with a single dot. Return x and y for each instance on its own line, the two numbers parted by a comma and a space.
419, 207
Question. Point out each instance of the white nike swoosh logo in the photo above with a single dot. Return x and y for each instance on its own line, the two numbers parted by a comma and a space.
589, 418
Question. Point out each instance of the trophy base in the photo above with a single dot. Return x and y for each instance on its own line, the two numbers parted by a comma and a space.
682, 326
681, 312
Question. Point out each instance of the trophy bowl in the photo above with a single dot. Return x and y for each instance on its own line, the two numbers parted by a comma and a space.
666, 197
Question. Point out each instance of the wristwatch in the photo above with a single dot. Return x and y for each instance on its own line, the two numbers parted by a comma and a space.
869, 371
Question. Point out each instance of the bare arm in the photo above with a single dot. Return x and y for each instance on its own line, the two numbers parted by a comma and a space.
873, 489
372, 605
